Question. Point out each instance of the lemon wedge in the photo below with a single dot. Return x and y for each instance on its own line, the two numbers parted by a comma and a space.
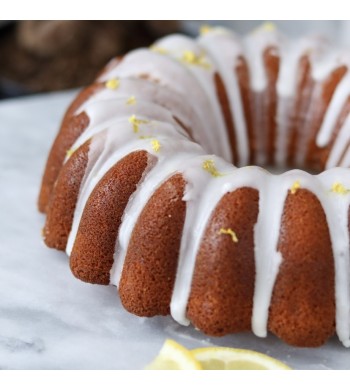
174, 356
221, 358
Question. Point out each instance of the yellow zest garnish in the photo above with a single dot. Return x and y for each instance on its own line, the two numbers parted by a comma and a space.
136, 123
155, 145
229, 232
209, 166
145, 137
205, 29
112, 84
295, 187
268, 26
190, 58
70, 152
339, 188
131, 101
223, 358
158, 49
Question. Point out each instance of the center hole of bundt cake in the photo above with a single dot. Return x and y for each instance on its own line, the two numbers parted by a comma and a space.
261, 141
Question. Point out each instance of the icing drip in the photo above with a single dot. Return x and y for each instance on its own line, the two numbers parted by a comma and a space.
255, 45
341, 95
225, 49
198, 62
200, 197
336, 206
267, 260
341, 142
291, 53
288, 77
170, 160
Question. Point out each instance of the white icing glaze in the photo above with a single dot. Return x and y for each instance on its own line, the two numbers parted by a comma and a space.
161, 69
174, 75
225, 48
341, 95
157, 100
292, 52
203, 197
166, 166
272, 195
120, 141
341, 142
200, 198
288, 78
177, 46
333, 59
103, 114
336, 207
321, 70
146, 90
255, 45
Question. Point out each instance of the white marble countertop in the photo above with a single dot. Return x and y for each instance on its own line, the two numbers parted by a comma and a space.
49, 319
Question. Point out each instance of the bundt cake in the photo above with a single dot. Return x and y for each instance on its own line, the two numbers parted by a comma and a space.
136, 195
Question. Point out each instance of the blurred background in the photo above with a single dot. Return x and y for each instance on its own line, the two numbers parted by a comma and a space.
43, 56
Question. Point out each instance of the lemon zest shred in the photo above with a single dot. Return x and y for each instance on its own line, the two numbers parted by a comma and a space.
190, 58
156, 145
230, 232
339, 188
209, 166
268, 26
131, 101
112, 84
158, 49
295, 187
205, 29
69, 152
136, 123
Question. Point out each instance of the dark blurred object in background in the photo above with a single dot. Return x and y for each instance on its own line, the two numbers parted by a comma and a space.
41, 56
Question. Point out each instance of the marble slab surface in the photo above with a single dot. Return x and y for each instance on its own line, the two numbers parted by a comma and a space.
49, 319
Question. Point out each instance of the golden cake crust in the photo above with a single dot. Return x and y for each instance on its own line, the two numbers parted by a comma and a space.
92, 256
69, 132
302, 310
150, 265
221, 298
64, 199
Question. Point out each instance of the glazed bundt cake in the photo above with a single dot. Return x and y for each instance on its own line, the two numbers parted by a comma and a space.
136, 195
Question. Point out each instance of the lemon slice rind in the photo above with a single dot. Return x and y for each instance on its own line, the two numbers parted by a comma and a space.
174, 356
222, 358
